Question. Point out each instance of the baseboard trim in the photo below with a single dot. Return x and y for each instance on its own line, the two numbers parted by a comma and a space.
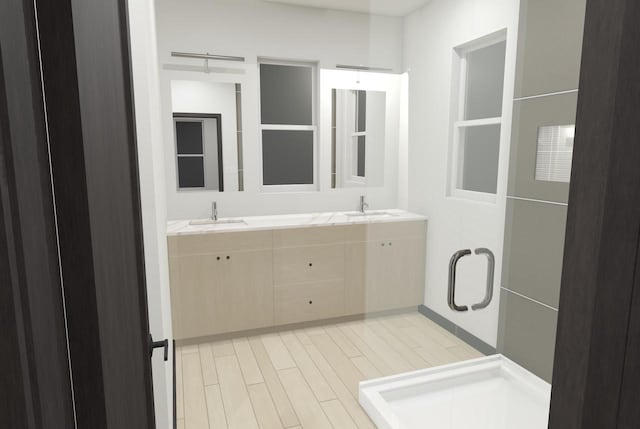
290, 326
456, 330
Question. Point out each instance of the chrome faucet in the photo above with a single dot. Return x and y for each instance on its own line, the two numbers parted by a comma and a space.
214, 211
363, 204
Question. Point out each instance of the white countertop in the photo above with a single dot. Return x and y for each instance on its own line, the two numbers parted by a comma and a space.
256, 223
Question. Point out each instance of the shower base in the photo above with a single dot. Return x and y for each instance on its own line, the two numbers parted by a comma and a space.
485, 393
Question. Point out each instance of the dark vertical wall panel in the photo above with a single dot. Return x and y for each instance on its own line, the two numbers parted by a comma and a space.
35, 381
603, 223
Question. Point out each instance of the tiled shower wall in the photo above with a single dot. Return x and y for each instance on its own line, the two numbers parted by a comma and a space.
549, 51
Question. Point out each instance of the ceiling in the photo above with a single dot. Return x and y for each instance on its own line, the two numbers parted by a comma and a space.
376, 7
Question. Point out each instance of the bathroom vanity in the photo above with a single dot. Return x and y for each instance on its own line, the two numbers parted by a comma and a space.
266, 271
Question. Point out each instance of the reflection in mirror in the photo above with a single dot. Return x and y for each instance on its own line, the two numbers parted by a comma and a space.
358, 138
208, 135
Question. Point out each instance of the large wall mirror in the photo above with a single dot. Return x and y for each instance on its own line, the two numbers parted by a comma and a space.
358, 138
207, 128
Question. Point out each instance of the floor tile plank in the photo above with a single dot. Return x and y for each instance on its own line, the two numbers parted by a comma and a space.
368, 352
366, 367
209, 372
223, 348
396, 344
263, 406
343, 342
337, 415
349, 402
278, 353
279, 396
397, 363
304, 402
341, 364
235, 396
195, 404
316, 381
215, 407
248, 364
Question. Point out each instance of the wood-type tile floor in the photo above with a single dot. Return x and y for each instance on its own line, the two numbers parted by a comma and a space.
305, 378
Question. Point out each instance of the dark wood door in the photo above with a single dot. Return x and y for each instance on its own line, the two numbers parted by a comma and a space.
69, 166
35, 386
596, 377
88, 90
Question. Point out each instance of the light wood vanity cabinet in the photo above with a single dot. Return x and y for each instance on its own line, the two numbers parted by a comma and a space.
235, 281
214, 291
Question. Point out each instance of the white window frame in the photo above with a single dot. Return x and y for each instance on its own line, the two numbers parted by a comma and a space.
313, 127
349, 165
458, 123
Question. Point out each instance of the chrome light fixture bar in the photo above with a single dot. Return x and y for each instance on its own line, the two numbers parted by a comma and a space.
207, 56
362, 68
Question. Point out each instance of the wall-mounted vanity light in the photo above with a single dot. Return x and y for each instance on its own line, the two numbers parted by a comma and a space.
206, 57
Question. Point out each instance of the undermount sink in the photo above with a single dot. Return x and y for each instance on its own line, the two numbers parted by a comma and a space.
378, 214
217, 222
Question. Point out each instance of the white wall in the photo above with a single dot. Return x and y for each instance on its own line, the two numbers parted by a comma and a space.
257, 29
153, 200
431, 34
254, 28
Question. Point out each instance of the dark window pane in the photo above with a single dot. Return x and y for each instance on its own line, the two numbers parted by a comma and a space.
286, 94
190, 172
362, 149
485, 81
287, 157
361, 103
481, 153
189, 137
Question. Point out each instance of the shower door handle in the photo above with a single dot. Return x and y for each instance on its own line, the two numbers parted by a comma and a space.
453, 265
491, 264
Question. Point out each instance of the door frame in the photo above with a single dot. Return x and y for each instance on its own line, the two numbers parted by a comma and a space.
89, 112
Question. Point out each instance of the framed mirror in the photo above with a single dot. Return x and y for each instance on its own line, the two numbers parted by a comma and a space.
358, 138
207, 131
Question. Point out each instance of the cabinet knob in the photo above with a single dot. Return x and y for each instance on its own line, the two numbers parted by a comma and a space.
310, 264
228, 257
310, 302
382, 244
390, 243
218, 258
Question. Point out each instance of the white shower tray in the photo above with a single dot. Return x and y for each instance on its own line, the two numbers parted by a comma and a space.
486, 393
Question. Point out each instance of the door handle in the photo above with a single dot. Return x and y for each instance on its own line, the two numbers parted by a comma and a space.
453, 265
163, 344
491, 265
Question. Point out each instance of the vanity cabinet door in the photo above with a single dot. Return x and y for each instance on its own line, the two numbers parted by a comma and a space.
403, 275
245, 296
218, 293
384, 275
195, 280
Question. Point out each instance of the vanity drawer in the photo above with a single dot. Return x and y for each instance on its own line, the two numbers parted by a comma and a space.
310, 236
308, 264
309, 301
207, 243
